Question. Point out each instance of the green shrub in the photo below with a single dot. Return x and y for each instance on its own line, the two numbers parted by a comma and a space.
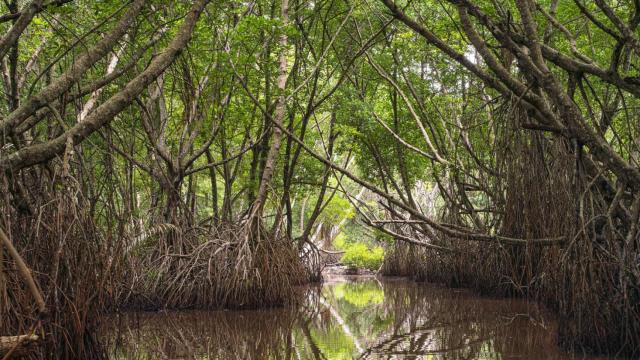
359, 255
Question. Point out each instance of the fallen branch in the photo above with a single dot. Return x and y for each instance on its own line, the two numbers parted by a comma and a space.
17, 345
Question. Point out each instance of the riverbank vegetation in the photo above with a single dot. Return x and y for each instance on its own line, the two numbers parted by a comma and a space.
198, 154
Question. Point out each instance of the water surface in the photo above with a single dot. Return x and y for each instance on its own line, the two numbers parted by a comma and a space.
347, 318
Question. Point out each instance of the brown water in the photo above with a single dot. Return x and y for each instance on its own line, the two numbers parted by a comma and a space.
357, 318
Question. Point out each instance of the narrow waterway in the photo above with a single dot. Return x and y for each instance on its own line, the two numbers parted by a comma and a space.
346, 318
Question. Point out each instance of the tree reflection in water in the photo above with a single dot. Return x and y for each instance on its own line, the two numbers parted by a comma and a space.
346, 319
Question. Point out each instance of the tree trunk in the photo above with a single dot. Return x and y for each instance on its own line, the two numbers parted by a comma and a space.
272, 157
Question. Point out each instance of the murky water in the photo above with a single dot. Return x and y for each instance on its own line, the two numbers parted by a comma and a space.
347, 319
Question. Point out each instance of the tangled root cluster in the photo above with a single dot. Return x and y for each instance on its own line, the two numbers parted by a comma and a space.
222, 267
73, 264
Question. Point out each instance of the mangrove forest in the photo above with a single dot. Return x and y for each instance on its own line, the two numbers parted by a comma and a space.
320, 179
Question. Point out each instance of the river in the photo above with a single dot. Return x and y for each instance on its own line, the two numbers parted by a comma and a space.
347, 318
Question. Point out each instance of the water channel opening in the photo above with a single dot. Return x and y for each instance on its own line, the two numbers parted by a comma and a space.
347, 317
